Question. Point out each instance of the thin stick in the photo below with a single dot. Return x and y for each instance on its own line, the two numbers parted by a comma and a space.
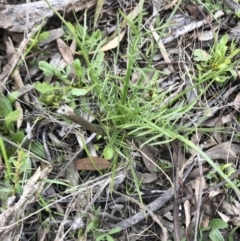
67, 112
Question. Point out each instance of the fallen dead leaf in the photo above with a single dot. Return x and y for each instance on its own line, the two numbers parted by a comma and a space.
131, 16
114, 42
199, 184
92, 164
187, 213
196, 172
224, 217
222, 151
147, 153
205, 35
20, 118
230, 208
237, 101
213, 193
206, 221
65, 51
162, 49
146, 177
52, 35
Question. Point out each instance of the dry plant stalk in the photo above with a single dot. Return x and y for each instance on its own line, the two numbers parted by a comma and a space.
10, 219
67, 112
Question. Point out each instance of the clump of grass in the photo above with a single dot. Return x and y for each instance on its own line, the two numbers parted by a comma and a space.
141, 108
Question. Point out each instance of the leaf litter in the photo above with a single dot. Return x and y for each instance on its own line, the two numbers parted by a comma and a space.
62, 180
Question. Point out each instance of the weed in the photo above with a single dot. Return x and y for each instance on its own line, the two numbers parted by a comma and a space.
218, 63
214, 228
139, 110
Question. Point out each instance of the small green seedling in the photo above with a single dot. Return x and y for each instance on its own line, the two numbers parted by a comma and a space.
108, 236
219, 60
228, 170
215, 226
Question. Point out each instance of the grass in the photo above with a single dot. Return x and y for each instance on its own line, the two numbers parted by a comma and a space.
130, 106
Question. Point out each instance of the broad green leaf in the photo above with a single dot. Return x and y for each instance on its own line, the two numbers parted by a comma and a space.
19, 188
4, 154
47, 68
90, 226
78, 68
44, 87
5, 190
11, 117
71, 27
114, 230
101, 237
223, 40
201, 55
42, 36
13, 96
108, 153
218, 223
215, 235
109, 238
38, 149
18, 137
6, 106
80, 92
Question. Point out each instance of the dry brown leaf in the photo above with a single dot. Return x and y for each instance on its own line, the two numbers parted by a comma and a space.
114, 42
92, 164
205, 36
162, 48
187, 213
171, 4
115, 39
131, 16
65, 51
230, 208
20, 118
199, 184
218, 121
224, 217
237, 101
73, 46
206, 221
146, 177
222, 151
53, 34
214, 193
150, 163
147, 153
196, 172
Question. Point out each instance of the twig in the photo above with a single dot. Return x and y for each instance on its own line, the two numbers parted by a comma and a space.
146, 209
67, 112
154, 206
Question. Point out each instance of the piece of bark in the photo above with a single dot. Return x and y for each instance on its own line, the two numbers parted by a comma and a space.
22, 17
